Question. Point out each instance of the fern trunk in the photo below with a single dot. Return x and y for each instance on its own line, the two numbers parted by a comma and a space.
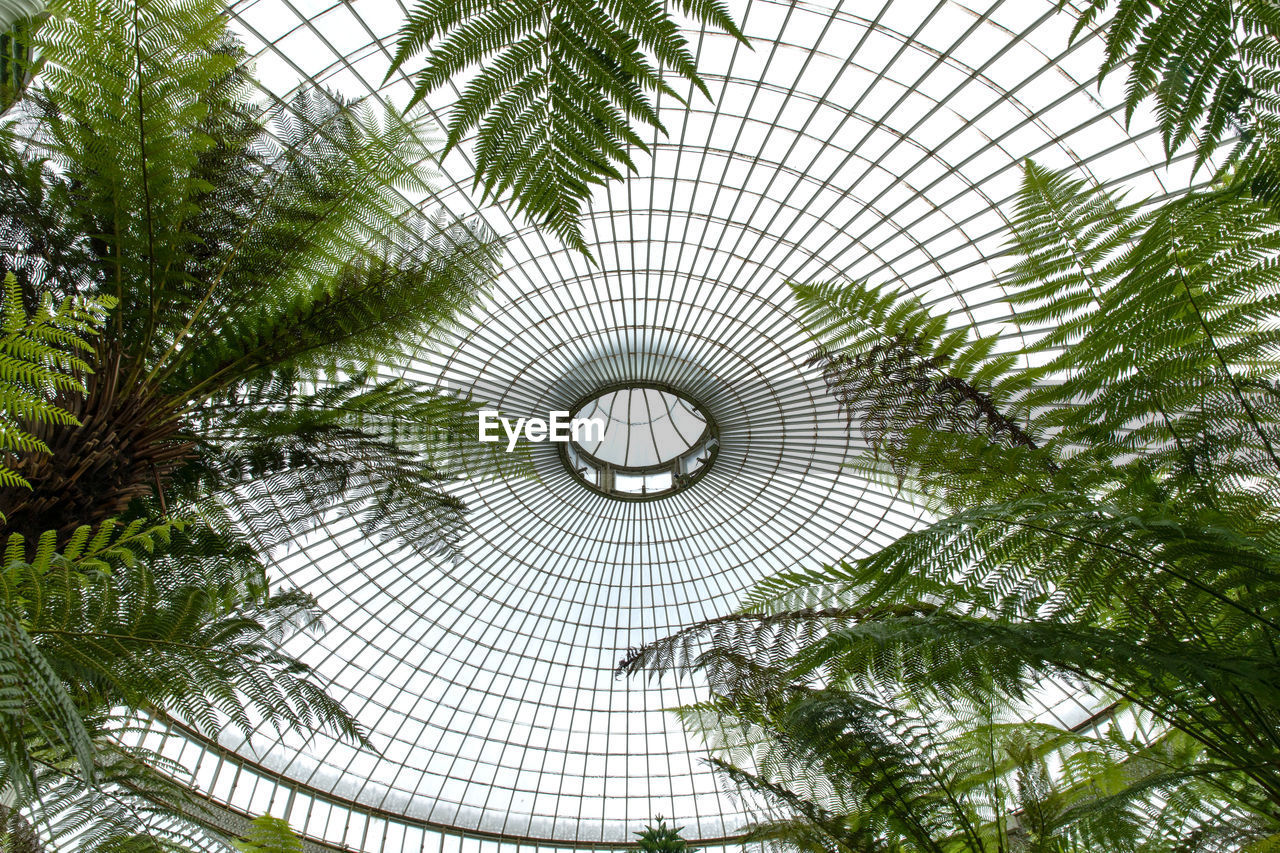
125, 447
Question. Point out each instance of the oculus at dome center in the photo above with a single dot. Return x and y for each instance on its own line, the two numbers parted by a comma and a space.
656, 442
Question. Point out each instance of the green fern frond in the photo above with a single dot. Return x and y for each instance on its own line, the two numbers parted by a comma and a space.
921, 394
558, 88
269, 835
109, 624
350, 320
1208, 65
42, 354
277, 458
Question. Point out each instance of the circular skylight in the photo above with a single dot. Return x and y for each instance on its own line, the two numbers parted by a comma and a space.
877, 140
639, 442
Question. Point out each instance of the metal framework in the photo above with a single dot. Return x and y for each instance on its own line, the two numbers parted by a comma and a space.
876, 139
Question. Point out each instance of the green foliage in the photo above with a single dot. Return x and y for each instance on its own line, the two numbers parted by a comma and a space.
269, 835
1157, 338
559, 86
1107, 501
35, 702
133, 806
276, 457
662, 839
201, 646
1210, 65
918, 390
254, 270
169, 620
846, 771
42, 354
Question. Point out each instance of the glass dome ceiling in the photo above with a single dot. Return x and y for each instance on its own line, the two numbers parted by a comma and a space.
877, 139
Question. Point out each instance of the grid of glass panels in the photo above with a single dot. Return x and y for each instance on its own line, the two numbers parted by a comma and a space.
876, 139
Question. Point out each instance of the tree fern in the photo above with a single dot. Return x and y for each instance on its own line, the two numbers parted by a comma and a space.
258, 286
251, 269
37, 702
1159, 339
919, 391
1173, 355
558, 88
840, 770
203, 647
133, 806
1107, 504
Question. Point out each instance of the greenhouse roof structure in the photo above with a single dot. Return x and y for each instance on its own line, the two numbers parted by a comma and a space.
878, 140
